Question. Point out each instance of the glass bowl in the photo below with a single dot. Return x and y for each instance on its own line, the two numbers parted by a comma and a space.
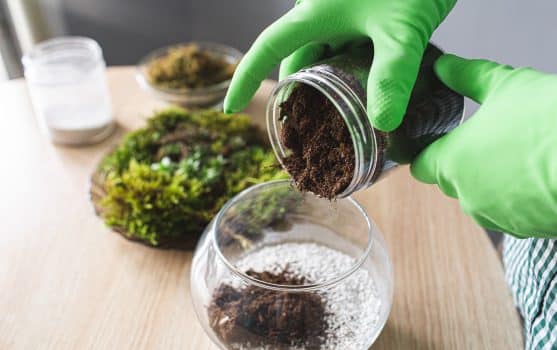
209, 96
278, 269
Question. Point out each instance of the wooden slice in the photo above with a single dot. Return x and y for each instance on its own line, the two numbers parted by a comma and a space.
97, 192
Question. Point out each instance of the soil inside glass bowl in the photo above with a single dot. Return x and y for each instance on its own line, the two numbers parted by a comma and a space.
299, 310
260, 316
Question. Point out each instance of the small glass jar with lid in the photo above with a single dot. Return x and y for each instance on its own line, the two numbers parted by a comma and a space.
66, 77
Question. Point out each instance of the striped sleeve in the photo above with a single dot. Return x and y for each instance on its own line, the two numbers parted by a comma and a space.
531, 272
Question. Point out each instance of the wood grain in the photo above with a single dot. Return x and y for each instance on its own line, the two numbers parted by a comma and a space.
67, 282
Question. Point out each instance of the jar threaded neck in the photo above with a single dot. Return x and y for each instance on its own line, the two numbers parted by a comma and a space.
351, 108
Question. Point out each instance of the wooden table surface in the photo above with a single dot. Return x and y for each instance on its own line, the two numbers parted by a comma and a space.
67, 282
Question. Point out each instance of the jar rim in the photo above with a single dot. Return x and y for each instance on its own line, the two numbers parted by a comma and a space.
59, 43
291, 288
44, 48
358, 126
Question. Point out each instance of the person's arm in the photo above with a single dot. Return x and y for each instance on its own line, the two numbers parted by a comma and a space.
501, 164
399, 29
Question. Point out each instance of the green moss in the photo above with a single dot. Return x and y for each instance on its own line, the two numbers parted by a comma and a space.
166, 181
269, 210
189, 66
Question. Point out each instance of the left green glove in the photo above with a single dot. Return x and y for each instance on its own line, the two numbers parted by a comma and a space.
501, 164
399, 29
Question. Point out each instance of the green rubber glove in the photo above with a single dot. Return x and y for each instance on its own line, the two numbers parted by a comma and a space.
399, 29
501, 164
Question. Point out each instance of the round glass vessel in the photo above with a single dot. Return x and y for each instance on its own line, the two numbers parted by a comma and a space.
278, 269
209, 96
433, 110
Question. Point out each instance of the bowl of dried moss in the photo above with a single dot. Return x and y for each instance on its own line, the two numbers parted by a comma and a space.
164, 182
195, 74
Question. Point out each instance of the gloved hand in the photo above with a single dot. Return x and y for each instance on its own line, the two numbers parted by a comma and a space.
501, 164
399, 29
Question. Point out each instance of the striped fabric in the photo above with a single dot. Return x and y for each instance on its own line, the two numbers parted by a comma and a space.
531, 272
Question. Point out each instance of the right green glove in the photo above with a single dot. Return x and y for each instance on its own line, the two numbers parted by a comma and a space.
399, 29
502, 163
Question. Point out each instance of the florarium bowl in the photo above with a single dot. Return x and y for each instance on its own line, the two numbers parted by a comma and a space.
188, 91
278, 269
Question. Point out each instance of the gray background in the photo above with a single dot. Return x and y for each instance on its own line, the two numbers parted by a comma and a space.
511, 31
127, 29
517, 32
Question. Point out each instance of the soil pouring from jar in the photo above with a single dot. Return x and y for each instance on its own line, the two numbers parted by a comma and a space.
321, 158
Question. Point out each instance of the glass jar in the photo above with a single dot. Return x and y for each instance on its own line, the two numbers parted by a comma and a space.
68, 88
200, 97
278, 269
433, 110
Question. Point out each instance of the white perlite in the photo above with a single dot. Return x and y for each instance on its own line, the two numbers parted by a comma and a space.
352, 306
